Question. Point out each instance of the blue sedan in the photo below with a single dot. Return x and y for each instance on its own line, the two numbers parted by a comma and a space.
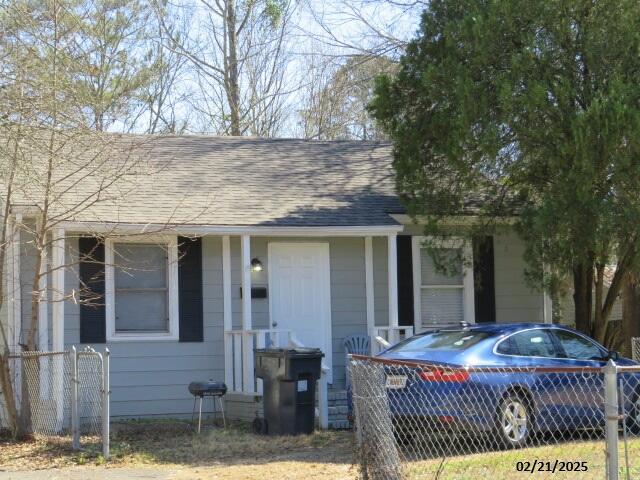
481, 379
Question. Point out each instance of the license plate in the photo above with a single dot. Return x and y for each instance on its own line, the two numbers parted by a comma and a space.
394, 382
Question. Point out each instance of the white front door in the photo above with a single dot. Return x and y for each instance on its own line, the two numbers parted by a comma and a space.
300, 298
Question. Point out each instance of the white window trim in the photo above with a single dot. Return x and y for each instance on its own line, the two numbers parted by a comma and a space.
468, 303
171, 242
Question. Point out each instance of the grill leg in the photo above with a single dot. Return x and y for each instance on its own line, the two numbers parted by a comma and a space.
224, 421
193, 410
199, 414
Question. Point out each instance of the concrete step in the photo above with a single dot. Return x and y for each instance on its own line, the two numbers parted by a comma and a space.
337, 395
338, 410
339, 424
342, 410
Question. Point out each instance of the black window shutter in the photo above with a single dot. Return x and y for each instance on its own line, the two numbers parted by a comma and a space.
190, 289
405, 281
484, 279
92, 310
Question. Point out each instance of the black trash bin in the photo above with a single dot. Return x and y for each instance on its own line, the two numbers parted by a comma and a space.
289, 388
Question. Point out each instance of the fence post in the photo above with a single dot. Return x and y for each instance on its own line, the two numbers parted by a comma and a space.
378, 452
75, 419
611, 416
105, 403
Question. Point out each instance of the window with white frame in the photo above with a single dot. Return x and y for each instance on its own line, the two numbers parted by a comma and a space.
141, 289
442, 297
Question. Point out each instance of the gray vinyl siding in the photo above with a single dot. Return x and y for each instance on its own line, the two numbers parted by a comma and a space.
151, 377
515, 300
380, 281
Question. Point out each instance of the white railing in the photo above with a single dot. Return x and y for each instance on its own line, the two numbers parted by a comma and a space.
384, 337
238, 345
239, 368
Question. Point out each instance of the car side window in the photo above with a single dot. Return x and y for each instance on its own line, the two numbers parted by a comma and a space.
578, 347
530, 343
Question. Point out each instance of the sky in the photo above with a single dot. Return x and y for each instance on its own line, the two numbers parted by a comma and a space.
321, 31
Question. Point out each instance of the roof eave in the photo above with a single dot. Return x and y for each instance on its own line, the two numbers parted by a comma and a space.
106, 228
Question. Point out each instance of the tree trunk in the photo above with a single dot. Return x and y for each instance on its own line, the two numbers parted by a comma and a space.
13, 416
630, 312
582, 297
232, 80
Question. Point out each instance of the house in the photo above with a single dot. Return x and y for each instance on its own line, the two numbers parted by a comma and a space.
257, 242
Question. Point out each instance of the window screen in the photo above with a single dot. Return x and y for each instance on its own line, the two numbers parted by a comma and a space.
441, 294
140, 278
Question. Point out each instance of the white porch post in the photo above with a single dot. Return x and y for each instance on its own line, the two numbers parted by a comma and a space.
369, 285
15, 305
57, 281
57, 338
323, 399
469, 308
227, 312
547, 306
247, 338
392, 271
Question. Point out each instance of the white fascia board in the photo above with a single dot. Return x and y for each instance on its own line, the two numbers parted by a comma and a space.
275, 231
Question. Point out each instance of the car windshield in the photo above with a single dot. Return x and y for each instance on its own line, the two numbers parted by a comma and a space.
441, 340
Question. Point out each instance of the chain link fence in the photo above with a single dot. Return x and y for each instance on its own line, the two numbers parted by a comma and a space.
47, 378
426, 421
635, 348
68, 394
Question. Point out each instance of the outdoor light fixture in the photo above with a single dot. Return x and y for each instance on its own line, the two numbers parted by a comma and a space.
256, 265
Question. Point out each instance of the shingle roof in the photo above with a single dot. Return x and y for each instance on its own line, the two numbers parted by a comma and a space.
244, 181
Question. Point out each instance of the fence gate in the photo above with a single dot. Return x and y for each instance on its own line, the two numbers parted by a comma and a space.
68, 394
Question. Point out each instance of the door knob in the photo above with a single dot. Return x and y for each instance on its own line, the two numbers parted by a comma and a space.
274, 324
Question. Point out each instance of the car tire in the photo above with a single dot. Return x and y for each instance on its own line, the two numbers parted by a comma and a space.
633, 416
404, 434
514, 421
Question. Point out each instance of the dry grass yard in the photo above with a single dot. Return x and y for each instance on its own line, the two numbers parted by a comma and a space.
170, 450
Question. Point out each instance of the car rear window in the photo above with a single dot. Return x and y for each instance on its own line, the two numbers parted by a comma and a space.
441, 340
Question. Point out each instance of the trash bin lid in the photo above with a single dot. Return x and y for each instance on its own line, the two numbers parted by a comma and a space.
299, 352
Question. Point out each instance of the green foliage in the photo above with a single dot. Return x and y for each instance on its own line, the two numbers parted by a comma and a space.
513, 106
273, 9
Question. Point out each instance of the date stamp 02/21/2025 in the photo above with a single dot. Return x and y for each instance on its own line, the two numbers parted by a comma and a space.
552, 466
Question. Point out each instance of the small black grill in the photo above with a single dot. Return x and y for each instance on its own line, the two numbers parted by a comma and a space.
207, 389
215, 390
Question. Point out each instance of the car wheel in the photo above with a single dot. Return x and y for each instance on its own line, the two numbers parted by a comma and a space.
633, 416
514, 421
